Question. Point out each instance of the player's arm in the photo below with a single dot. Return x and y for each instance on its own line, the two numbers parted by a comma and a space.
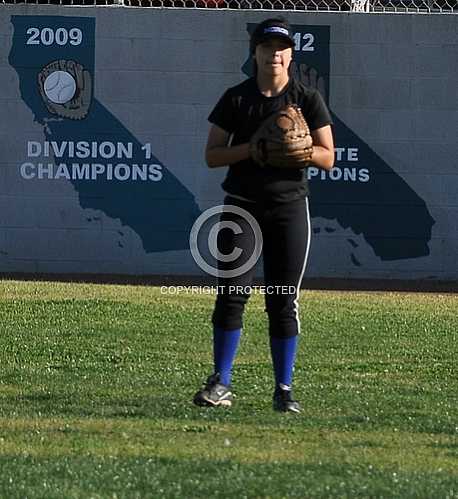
219, 153
323, 147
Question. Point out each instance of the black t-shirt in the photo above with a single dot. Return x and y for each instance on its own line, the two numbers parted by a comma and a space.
239, 112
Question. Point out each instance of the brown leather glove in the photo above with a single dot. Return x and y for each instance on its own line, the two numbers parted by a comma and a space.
283, 140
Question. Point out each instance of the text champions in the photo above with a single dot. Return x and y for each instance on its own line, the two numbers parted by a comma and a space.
110, 162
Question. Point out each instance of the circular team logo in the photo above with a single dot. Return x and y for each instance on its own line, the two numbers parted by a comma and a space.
236, 253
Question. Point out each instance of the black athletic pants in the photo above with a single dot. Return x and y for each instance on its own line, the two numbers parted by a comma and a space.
285, 231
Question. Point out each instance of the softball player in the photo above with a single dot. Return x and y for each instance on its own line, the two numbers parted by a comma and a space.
277, 198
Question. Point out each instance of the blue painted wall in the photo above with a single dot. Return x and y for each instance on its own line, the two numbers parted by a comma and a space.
112, 180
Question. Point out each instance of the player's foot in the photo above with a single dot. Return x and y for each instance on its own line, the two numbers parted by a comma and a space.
214, 393
283, 400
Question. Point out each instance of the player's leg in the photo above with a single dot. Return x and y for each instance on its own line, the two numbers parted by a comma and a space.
227, 319
286, 246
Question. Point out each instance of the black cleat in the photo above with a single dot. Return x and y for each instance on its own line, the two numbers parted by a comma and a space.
214, 393
283, 401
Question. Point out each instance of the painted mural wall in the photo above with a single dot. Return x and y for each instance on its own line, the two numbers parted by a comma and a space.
104, 122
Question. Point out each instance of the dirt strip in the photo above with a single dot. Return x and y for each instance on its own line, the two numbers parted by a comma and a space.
421, 286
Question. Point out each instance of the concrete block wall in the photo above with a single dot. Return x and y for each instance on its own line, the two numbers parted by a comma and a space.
157, 73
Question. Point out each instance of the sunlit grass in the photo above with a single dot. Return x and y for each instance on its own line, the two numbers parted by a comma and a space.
96, 383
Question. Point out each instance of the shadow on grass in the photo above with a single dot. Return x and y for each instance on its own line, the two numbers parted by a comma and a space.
244, 411
111, 476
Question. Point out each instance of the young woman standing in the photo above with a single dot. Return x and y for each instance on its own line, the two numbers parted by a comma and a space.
277, 198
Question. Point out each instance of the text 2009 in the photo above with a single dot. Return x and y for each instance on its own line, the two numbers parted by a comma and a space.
54, 36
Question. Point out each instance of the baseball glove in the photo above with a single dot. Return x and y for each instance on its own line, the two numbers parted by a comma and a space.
78, 107
283, 140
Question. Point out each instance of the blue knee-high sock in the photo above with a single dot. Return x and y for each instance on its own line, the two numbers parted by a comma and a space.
283, 357
225, 345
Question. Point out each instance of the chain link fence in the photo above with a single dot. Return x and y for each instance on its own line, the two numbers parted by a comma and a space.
394, 6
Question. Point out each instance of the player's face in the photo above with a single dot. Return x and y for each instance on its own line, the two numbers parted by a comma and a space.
273, 57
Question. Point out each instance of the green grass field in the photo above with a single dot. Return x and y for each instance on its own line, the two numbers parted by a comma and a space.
96, 383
